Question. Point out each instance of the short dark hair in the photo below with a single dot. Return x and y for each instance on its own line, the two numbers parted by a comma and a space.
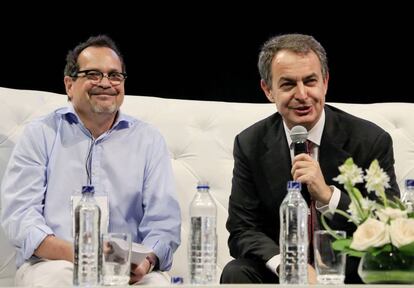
72, 66
297, 43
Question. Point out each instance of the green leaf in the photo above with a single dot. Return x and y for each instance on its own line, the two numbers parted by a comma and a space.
344, 246
397, 203
341, 244
355, 253
407, 249
349, 161
378, 250
357, 193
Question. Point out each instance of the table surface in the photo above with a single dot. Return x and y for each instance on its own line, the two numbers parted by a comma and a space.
291, 286
269, 285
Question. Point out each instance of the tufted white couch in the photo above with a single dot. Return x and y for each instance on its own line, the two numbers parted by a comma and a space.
200, 138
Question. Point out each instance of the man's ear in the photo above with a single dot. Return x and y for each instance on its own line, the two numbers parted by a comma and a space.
68, 85
326, 81
267, 90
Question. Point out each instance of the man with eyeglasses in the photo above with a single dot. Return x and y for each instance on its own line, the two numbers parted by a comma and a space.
90, 142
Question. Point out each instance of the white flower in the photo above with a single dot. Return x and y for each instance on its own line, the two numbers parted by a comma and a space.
389, 213
371, 233
365, 203
402, 231
353, 213
377, 179
379, 223
350, 173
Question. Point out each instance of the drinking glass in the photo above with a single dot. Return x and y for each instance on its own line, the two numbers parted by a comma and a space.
116, 258
329, 263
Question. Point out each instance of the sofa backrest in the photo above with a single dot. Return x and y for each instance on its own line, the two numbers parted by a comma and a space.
200, 137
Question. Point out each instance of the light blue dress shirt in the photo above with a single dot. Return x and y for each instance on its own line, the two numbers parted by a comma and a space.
129, 164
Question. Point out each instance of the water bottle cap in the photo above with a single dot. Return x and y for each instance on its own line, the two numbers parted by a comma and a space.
409, 183
177, 280
203, 185
294, 185
88, 189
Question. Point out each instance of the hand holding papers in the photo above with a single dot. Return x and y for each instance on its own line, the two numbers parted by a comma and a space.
138, 251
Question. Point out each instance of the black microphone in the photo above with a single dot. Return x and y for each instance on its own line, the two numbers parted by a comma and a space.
299, 135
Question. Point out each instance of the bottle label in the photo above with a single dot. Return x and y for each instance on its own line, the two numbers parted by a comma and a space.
103, 204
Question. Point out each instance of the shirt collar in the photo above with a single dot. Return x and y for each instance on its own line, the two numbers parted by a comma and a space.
314, 135
69, 114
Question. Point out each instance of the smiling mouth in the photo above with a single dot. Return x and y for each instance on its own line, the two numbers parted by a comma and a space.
103, 94
103, 97
302, 109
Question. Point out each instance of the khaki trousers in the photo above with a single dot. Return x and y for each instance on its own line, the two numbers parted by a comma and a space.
59, 273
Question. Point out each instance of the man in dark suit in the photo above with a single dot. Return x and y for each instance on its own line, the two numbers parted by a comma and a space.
294, 76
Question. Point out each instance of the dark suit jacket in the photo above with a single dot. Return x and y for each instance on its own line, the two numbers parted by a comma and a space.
262, 168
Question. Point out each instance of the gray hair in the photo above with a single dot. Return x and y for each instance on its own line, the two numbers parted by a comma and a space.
297, 43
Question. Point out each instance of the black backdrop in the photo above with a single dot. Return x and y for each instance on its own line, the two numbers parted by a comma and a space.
211, 54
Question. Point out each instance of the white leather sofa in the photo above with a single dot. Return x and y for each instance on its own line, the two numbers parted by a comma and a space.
200, 138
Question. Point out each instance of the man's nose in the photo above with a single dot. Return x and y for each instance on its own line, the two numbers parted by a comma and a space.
105, 81
300, 91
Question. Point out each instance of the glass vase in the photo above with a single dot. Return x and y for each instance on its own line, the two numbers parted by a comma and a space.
391, 267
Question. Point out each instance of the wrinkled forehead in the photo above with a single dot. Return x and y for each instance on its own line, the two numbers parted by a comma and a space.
99, 58
293, 65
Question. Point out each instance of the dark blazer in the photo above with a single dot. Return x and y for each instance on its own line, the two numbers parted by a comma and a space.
262, 168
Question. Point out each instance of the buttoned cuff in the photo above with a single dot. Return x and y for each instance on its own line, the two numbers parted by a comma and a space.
333, 203
273, 264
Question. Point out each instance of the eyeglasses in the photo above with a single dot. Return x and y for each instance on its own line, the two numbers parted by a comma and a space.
96, 76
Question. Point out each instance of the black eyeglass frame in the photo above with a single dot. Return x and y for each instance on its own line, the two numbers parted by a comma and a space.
102, 75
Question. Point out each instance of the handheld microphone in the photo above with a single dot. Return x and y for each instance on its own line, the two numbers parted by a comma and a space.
299, 135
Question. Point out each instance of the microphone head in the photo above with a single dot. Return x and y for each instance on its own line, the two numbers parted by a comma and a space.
298, 134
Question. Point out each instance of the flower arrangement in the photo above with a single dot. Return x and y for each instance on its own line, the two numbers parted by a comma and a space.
382, 226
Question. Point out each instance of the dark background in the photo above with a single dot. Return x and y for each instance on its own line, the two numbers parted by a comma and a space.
209, 53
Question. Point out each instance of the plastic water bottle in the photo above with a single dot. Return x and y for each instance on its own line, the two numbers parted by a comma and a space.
88, 256
202, 249
408, 197
293, 239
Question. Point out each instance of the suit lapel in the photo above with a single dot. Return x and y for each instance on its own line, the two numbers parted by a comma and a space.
331, 151
276, 162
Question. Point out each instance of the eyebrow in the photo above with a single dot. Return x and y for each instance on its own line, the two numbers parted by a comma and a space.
98, 70
288, 79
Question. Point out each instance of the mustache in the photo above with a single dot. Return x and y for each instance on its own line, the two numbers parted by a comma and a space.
100, 91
